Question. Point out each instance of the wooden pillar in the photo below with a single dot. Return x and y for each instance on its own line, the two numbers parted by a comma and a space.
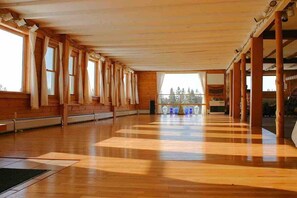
66, 45
243, 89
236, 90
256, 82
231, 93
114, 110
279, 76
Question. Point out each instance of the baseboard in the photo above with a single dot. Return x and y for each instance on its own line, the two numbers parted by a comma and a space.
20, 124
144, 111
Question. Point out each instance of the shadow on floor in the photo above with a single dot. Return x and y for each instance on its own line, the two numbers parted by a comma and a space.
269, 124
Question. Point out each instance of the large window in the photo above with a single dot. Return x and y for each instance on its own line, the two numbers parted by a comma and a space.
268, 83
91, 73
50, 70
11, 61
72, 74
185, 82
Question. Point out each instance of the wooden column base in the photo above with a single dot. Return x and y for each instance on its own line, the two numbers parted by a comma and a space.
64, 114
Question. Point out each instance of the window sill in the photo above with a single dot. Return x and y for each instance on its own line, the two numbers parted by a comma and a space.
17, 95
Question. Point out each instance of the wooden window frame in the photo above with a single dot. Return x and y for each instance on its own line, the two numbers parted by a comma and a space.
75, 55
54, 45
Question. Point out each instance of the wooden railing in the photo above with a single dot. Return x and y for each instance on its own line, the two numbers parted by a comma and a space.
179, 101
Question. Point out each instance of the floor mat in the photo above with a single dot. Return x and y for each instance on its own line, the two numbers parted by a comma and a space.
12, 177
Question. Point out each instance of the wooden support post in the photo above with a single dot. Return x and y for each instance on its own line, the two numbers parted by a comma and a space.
243, 89
236, 90
114, 109
256, 82
66, 45
231, 93
64, 114
279, 76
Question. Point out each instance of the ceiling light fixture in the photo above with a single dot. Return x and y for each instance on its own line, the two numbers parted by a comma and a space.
248, 55
21, 22
268, 9
285, 17
290, 11
273, 3
7, 16
34, 28
258, 18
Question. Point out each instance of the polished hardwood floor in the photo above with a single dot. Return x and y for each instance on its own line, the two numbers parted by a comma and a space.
155, 156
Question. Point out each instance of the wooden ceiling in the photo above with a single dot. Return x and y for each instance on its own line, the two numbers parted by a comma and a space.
289, 46
150, 34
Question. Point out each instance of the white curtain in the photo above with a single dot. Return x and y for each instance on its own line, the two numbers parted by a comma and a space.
101, 88
136, 90
61, 78
129, 86
112, 86
80, 79
116, 86
106, 81
33, 74
122, 87
160, 80
132, 89
44, 87
87, 90
202, 88
68, 93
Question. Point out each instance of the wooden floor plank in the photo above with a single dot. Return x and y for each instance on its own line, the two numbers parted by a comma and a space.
158, 156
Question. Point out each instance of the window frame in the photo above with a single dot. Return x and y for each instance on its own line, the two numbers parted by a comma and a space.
25, 54
74, 54
54, 45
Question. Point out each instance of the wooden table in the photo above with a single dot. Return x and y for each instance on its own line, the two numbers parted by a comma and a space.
3, 127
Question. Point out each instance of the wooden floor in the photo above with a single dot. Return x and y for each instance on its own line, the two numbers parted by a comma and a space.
156, 156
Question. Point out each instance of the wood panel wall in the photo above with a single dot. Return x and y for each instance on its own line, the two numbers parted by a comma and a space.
147, 88
15, 104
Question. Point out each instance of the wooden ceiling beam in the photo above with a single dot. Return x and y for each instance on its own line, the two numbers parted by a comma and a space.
287, 35
273, 60
32, 3
292, 55
284, 45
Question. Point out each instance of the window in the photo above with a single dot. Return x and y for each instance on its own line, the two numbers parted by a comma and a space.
72, 74
125, 84
11, 61
91, 73
50, 70
185, 82
268, 83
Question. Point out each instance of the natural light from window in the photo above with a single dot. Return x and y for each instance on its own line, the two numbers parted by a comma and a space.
71, 68
11, 61
183, 81
268, 83
91, 72
50, 70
